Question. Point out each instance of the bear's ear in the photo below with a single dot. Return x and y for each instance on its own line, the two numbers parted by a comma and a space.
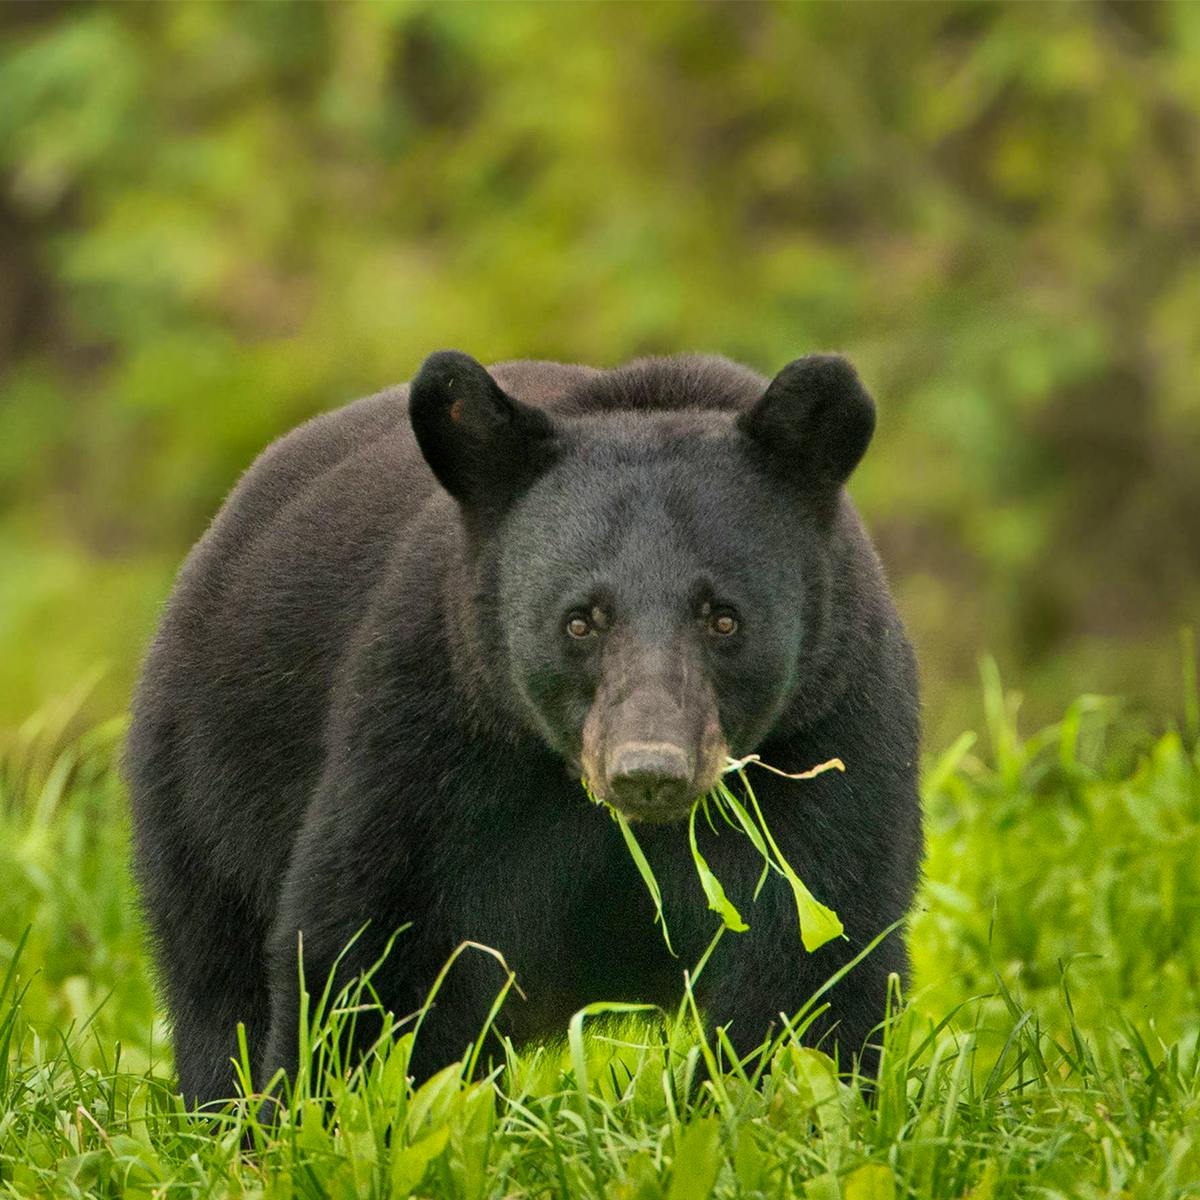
483, 446
815, 420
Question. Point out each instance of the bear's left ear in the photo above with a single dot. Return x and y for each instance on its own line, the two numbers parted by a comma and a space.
815, 420
483, 446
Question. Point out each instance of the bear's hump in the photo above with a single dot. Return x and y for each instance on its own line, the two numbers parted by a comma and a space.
706, 382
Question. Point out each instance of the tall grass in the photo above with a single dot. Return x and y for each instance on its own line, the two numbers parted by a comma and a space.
1049, 1046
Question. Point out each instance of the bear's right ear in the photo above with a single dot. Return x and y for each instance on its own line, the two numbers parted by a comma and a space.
483, 446
814, 421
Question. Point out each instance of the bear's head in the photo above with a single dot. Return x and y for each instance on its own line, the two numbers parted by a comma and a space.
650, 583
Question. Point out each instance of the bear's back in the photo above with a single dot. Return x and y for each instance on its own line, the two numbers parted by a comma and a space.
234, 690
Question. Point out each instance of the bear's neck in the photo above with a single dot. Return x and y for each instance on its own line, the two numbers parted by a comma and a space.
852, 629
479, 663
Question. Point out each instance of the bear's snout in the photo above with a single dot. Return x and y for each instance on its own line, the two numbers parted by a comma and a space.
652, 742
651, 780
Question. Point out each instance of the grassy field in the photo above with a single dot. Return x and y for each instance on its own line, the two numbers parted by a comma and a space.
1048, 1046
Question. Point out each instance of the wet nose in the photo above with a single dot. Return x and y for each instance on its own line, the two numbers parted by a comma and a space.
650, 775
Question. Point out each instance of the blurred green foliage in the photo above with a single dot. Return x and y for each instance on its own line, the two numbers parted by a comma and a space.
218, 219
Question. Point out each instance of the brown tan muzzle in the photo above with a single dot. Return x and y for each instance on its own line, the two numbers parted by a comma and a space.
652, 741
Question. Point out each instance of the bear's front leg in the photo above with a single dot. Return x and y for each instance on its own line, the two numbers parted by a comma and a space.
354, 904
402, 984
402, 976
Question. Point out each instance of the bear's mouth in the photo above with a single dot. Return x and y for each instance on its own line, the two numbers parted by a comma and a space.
645, 807
653, 812
653, 784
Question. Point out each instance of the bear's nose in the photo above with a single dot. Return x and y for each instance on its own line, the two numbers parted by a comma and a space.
646, 777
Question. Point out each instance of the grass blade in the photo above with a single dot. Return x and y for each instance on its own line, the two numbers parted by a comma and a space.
647, 874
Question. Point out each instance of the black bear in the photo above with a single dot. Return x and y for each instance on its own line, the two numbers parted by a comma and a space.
419, 620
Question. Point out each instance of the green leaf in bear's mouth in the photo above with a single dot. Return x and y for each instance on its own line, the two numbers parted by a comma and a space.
818, 923
717, 900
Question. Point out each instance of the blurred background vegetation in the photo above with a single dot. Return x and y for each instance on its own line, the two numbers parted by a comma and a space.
219, 219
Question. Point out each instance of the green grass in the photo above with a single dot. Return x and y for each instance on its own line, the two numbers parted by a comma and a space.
1048, 1047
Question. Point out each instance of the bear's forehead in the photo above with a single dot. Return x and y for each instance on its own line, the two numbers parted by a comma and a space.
635, 466
638, 436
641, 539
691, 497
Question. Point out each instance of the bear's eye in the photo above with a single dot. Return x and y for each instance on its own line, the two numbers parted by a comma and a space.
578, 626
723, 622
581, 622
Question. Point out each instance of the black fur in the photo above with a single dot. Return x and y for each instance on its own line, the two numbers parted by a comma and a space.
361, 707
